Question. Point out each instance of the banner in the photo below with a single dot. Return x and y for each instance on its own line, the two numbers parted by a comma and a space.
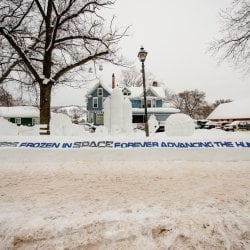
95, 144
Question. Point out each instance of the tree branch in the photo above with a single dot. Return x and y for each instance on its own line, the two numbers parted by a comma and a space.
81, 62
20, 53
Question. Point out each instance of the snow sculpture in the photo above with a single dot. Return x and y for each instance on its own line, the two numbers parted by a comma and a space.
61, 125
117, 113
179, 125
127, 115
153, 124
106, 118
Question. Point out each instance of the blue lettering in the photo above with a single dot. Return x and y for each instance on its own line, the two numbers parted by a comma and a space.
67, 145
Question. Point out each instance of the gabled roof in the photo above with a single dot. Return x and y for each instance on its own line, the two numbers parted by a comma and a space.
96, 85
232, 110
19, 111
137, 92
158, 91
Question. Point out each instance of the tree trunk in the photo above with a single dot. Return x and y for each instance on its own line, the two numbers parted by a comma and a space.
45, 100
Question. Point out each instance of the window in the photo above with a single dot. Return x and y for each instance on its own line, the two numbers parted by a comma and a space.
153, 103
18, 121
95, 102
149, 104
100, 91
35, 121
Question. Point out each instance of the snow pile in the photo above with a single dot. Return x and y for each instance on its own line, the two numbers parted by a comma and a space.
7, 128
153, 124
179, 125
61, 125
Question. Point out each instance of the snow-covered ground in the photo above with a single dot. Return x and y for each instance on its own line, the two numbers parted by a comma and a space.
123, 191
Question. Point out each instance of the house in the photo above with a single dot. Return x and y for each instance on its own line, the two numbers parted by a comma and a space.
156, 102
95, 99
21, 115
232, 111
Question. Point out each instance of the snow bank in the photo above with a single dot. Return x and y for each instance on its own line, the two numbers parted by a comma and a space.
61, 125
179, 125
7, 128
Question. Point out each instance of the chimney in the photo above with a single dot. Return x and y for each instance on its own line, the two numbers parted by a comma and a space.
154, 84
113, 81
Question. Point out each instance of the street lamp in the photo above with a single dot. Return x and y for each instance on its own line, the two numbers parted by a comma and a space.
142, 57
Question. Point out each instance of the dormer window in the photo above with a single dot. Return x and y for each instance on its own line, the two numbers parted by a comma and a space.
126, 92
100, 92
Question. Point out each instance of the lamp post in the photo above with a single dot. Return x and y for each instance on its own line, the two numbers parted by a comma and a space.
142, 57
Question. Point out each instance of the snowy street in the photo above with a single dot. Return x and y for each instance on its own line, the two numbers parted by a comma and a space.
125, 205
125, 191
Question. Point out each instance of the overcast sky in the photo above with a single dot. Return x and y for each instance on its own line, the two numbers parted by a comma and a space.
176, 35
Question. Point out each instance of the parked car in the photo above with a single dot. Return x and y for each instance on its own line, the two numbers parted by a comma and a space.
210, 125
200, 124
231, 126
221, 124
244, 125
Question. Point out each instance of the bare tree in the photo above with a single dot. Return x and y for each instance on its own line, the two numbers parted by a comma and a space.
191, 102
52, 40
131, 77
6, 98
234, 43
220, 101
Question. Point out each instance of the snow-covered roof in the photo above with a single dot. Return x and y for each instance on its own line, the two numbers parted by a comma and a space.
158, 91
95, 85
156, 110
135, 91
232, 110
19, 111
138, 91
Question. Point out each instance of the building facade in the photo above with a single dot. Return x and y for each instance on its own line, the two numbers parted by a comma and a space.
156, 103
95, 99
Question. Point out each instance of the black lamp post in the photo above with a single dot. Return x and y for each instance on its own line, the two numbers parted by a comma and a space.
142, 57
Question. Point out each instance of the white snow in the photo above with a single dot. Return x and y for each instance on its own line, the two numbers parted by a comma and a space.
233, 110
46, 81
123, 198
118, 113
19, 111
179, 125
138, 91
153, 124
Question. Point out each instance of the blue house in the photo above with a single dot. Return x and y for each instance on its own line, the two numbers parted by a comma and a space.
95, 99
156, 102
